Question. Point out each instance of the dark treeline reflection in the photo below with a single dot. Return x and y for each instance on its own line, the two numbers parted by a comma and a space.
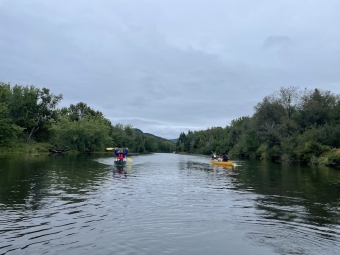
27, 180
287, 192
290, 189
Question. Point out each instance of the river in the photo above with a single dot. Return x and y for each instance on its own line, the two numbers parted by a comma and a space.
165, 204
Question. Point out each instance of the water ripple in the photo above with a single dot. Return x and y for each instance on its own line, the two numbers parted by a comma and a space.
167, 204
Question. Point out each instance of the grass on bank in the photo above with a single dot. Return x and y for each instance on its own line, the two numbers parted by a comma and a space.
26, 148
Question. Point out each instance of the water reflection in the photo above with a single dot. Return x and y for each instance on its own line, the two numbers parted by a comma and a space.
294, 201
26, 181
314, 190
22, 181
121, 171
228, 169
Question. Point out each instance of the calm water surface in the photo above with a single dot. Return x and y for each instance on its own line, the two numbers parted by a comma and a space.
165, 204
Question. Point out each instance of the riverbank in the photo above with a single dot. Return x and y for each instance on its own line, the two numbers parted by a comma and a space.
44, 148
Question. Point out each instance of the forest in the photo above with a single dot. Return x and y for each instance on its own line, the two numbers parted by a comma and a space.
289, 125
30, 121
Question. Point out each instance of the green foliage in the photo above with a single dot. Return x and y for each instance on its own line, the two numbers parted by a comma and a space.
151, 144
262, 152
316, 107
310, 149
140, 144
275, 153
88, 134
246, 146
78, 111
287, 125
8, 130
25, 147
334, 158
288, 149
31, 109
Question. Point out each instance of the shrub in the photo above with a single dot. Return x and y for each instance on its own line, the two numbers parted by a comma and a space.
275, 153
334, 158
310, 150
261, 152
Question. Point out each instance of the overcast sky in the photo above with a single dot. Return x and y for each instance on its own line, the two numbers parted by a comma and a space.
166, 66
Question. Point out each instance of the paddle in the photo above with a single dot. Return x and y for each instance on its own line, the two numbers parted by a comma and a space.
129, 159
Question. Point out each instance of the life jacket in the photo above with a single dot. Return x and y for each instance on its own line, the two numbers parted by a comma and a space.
120, 156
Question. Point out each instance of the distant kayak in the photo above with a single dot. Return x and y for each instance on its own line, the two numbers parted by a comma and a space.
120, 162
221, 163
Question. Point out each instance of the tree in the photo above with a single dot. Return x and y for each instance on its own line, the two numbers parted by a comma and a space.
288, 98
316, 107
8, 130
22, 105
90, 133
79, 111
33, 110
45, 113
151, 144
140, 143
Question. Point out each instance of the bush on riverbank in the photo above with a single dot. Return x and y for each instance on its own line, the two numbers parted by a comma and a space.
333, 158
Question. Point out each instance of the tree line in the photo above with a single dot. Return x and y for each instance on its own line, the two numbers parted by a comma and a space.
288, 125
29, 115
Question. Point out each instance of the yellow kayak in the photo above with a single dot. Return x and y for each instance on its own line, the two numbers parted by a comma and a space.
221, 163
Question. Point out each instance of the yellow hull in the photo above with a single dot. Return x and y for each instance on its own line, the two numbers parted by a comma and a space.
221, 163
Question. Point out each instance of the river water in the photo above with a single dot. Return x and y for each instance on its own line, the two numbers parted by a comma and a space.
165, 204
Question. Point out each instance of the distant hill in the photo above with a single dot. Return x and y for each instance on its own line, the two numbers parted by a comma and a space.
157, 137
174, 140
138, 131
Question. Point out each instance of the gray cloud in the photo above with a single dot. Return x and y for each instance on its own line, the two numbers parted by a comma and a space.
275, 40
170, 66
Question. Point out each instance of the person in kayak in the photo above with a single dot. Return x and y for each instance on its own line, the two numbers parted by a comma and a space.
120, 154
225, 157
